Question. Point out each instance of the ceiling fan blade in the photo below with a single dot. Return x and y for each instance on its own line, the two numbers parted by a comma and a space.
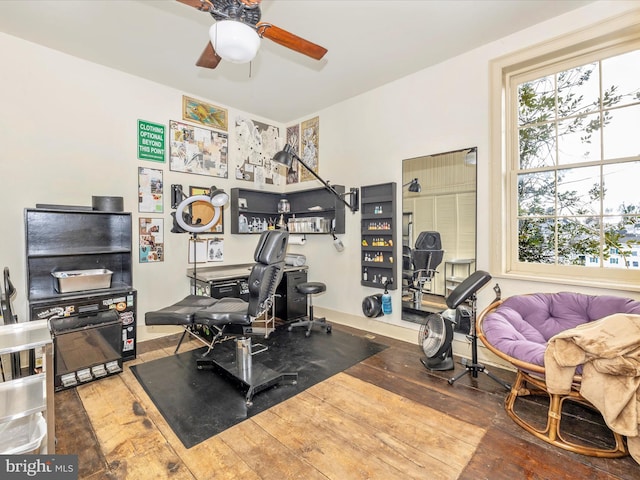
289, 40
209, 57
203, 5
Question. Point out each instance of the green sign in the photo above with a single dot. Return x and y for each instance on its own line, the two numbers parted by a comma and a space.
150, 141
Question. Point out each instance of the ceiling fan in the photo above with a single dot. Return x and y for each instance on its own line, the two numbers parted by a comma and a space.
236, 34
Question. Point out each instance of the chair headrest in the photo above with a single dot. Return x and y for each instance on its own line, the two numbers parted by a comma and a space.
272, 247
429, 241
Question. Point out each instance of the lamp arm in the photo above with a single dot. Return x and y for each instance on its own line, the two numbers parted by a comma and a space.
353, 208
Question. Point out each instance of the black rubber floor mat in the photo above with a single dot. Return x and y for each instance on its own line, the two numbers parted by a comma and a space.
198, 404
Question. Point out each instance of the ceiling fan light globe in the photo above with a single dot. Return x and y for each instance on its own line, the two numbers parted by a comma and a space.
234, 41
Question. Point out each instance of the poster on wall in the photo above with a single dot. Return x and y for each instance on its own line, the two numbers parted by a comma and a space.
151, 240
215, 250
151, 141
197, 250
205, 211
204, 113
197, 150
310, 145
293, 139
149, 190
256, 144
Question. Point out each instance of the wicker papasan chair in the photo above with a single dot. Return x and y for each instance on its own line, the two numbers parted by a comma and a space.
517, 329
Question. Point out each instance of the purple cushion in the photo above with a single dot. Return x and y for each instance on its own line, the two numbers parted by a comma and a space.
523, 324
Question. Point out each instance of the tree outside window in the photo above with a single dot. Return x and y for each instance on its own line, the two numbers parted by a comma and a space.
578, 168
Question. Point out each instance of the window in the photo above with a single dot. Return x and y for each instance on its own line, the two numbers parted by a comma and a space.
570, 157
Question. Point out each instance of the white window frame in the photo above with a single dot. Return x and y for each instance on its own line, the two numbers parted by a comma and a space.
610, 36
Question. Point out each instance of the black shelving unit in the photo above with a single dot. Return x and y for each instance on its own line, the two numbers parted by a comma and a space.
62, 240
304, 205
378, 232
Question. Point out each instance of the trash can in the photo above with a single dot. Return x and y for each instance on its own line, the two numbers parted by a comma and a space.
23, 435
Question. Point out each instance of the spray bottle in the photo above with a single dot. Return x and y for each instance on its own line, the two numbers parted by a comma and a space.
386, 300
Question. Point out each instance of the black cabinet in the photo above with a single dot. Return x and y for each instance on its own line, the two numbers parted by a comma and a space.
378, 233
291, 304
309, 211
71, 243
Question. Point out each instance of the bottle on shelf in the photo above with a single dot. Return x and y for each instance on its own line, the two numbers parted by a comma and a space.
386, 300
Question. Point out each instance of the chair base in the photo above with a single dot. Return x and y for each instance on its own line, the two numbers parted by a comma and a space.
252, 378
552, 432
309, 323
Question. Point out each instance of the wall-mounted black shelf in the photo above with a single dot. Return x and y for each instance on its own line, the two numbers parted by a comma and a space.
305, 206
378, 236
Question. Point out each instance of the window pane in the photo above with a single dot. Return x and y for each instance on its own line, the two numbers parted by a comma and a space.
536, 194
537, 146
578, 90
622, 241
579, 191
535, 241
578, 239
579, 139
621, 79
621, 132
536, 101
621, 188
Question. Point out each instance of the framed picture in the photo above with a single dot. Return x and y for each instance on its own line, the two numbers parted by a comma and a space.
151, 240
204, 113
149, 190
255, 145
198, 150
293, 139
205, 211
310, 145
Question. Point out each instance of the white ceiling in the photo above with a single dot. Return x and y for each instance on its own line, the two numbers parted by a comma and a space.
370, 43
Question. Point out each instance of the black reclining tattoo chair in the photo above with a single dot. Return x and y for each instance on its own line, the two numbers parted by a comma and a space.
263, 281
264, 278
195, 311
234, 314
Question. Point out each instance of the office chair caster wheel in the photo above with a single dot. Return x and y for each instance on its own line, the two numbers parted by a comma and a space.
329, 329
307, 333
289, 328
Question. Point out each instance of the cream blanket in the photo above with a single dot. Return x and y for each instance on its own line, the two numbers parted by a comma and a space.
609, 350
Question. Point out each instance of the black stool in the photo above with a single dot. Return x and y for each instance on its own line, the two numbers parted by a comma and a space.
309, 289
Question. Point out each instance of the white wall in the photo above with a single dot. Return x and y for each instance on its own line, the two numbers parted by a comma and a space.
442, 108
68, 131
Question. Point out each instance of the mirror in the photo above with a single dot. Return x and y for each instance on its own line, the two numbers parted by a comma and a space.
438, 229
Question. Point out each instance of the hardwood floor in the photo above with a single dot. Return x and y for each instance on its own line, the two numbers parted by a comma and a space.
386, 417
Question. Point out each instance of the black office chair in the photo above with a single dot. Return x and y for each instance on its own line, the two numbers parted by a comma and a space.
6, 298
8, 317
426, 255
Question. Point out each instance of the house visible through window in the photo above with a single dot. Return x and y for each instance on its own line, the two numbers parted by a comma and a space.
571, 161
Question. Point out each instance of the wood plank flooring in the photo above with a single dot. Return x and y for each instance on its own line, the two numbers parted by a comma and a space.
386, 417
